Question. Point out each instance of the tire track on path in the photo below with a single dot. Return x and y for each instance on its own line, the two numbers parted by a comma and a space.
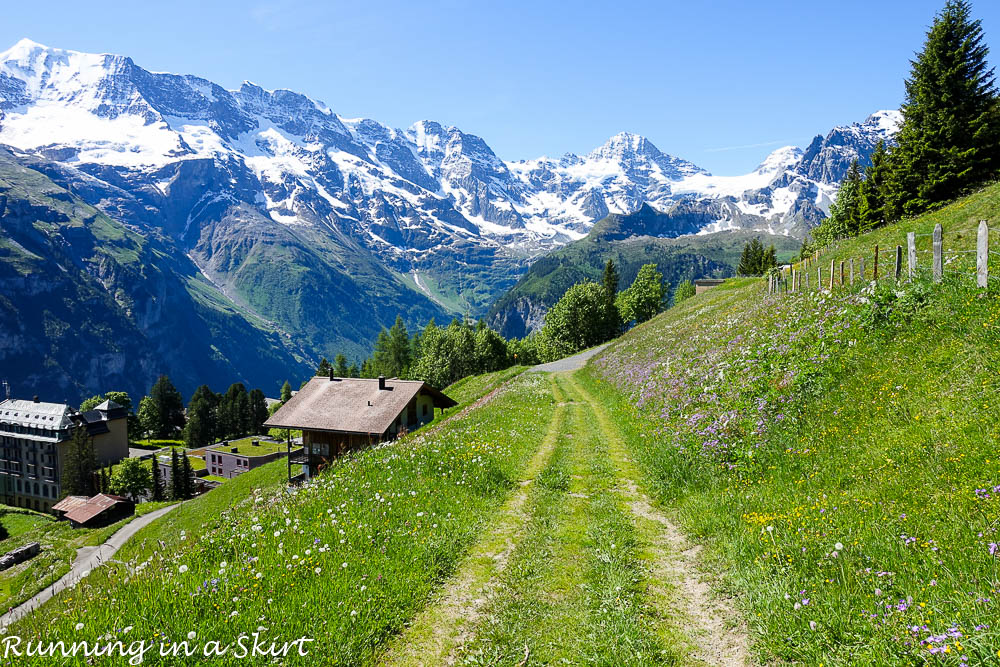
434, 636
714, 627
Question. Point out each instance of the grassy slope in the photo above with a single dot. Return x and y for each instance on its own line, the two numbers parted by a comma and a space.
346, 559
778, 428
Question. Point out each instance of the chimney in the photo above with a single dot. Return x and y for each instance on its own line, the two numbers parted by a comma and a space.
331, 373
381, 382
35, 399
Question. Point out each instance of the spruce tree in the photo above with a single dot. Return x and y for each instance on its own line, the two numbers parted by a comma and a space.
873, 190
202, 418
323, 368
176, 482
340, 366
258, 412
286, 392
610, 279
187, 477
948, 141
169, 407
752, 258
156, 489
80, 465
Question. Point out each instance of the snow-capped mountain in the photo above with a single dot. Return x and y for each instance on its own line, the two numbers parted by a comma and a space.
246, 185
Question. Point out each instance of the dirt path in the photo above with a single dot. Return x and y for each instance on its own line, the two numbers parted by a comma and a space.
715, 628
436, 634
572, 363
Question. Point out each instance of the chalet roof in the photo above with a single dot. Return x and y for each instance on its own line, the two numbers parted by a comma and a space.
85, 512
351, 405
69, 502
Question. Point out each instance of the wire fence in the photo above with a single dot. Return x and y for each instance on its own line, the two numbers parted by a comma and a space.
893, 262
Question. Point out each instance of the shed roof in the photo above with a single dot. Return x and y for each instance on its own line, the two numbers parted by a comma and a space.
94, 506
351, 405
69, 502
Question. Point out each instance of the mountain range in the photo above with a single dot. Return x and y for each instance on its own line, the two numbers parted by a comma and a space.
263, 221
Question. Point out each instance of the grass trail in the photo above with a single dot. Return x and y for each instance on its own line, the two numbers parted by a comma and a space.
677, 592
435, 634
575, 591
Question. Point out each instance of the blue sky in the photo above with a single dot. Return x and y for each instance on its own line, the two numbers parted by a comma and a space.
718, 83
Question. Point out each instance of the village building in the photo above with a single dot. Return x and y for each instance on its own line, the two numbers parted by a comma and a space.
337, 415
101, 510
231, 459
34, 438
704, 284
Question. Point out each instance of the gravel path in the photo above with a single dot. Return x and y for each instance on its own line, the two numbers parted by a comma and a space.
87, 559
573, 363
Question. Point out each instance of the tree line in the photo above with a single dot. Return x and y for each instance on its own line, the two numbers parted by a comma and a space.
588, 314
948, 143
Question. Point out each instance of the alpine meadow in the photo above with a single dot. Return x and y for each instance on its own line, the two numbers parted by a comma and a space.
283, 386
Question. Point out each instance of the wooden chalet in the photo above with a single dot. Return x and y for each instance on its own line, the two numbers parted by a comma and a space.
338, 415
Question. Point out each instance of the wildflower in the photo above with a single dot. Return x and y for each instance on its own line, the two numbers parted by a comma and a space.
192, 634
318, 570
183, 569
343, 565
78, 627
812, 625
838, 546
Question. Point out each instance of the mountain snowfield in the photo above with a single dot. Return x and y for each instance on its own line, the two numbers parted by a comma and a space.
100, 112
316, 230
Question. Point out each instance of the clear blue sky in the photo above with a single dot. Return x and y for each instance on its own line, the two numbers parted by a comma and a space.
719, 83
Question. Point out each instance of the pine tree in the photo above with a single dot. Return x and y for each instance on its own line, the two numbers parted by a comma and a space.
949, 137
340, 368
323, 368
871, 204
751, 259
80, 464
202, 418
187, 477
169, 408
353, 371
258, 412
156, 489
176, 482
610, 279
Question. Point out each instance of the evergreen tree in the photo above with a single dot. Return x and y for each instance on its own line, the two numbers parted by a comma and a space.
340, 368
610, 279
751, 259
187, 477
392, 351
169, 408
176, 481
234, 414
948, 140
258, 412
323, 368
871, 204
769, 260
286, 392
202, 418
354, 371
80, 465
156, 488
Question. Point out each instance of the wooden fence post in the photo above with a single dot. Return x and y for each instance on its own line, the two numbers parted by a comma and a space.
911, 252
875, 270
819, 277
899, 262
852, 272
861, 268
983, 255
938, 271
833, 272
842, 281
806, 276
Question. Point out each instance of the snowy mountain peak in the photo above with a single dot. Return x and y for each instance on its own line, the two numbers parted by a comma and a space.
886, 121
779, 160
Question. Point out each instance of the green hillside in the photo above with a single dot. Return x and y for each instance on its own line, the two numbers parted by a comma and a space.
631, 241
836, 452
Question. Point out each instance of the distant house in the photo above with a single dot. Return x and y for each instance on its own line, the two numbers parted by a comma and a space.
705, 284
100, 510
229, 460
338, 415
34, 437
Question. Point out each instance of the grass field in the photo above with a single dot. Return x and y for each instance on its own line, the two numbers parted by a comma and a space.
246, 447
836, 451
345, 559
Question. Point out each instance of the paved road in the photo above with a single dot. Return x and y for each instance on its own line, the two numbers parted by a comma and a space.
87, 559
568, 363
